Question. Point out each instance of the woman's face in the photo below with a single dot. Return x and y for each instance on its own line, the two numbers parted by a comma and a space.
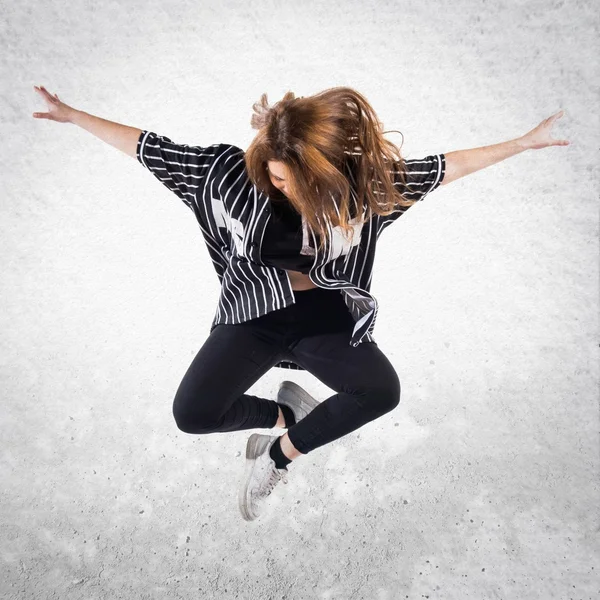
278, 173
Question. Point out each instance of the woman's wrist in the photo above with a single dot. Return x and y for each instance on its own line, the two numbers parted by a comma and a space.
523, 143
74, 116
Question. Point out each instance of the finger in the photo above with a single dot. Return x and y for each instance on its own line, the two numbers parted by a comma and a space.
555, 116
42, 90
40, 115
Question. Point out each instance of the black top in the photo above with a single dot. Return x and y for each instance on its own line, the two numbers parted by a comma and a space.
282, 241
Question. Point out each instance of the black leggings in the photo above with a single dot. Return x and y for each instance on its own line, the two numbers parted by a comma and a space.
315, 332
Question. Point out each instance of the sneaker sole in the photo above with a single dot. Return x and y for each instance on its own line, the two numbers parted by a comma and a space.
294, 396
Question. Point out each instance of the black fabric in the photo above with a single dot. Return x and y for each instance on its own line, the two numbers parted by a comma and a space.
288, 415
282, 241
276, 453
315, 331
232, 214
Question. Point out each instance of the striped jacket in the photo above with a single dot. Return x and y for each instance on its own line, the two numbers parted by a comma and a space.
232, 214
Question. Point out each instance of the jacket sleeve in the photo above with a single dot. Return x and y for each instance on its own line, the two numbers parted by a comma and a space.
423, 175
183, 169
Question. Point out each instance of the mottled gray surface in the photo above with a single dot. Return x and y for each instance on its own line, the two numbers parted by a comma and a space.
482, 484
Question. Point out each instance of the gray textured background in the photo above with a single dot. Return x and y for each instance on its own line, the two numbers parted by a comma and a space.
482, 484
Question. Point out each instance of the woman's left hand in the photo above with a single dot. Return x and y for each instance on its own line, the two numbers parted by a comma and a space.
539, 137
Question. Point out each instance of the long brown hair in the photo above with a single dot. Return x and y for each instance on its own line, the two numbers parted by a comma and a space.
314, 136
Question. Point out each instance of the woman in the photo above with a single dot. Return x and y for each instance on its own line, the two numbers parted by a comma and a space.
291, 226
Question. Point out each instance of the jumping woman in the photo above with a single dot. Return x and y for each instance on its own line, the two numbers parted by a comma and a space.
291, 226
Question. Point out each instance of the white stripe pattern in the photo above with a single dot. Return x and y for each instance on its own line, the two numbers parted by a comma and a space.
232, 214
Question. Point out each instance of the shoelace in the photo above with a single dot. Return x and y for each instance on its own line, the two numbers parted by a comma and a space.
275, 476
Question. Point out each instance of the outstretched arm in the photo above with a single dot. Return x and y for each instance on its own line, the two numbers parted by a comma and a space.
120, 136
464, 162
180, 167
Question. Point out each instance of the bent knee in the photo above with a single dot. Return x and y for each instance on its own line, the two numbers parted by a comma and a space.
189, 420
387, 393
190, 423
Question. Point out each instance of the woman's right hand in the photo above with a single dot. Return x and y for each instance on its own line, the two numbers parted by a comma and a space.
57, 111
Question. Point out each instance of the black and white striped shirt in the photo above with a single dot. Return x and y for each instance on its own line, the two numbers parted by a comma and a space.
232, 213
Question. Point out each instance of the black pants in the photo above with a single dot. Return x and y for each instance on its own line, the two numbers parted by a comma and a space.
315, 332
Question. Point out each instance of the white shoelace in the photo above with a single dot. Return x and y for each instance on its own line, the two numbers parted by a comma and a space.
274, 477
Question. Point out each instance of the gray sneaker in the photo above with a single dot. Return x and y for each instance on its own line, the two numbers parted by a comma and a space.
261, 475
298, 399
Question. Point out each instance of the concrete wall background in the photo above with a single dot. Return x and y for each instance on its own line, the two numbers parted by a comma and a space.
482, 484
